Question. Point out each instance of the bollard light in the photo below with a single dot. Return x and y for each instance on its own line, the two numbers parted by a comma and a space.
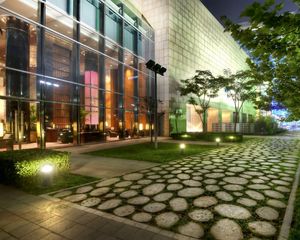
218, 140
182, 147
47, 169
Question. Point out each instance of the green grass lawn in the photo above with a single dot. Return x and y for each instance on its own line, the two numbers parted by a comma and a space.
145, 152
61, 182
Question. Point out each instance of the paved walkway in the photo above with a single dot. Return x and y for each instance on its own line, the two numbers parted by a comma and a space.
28, 217
237, 192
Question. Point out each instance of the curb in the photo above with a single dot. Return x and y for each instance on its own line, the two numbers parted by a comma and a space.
288, 216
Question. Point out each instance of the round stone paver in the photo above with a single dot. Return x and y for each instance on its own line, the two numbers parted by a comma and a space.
276, 203
235, 180
144, 181
123, 184
258, 186
205, 201
210, 181
76, 197
142, 217
201, 215
191, 229
224, 196
124, 210
190, 192
133, 176
233, 187
280, 182
162, 197
108, 182
174, 187
129, 194
62, 194
84, 189
226, 229
267, 213
192, 183
173, 180
236, 169
99, 191
273, 194
90, 202
283, 189
232, 211
247, 202
154, 207
215, 175
178, 204
153, 189
167, 219
183, 176
109, 204
262, 228
140, 200
255, 195
212, 188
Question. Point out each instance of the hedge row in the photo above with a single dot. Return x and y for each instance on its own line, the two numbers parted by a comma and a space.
210, 137
23, 167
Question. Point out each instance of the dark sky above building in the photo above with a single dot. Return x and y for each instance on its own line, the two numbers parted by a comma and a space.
233, 8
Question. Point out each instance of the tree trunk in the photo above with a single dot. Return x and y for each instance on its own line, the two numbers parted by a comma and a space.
204, 122
176, 124
235, 121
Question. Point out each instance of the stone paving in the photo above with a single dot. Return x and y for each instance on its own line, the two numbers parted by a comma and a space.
232, 193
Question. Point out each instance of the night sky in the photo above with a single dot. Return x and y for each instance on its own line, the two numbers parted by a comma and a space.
233, 8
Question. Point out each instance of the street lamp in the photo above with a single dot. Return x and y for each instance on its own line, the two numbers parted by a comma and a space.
156, 68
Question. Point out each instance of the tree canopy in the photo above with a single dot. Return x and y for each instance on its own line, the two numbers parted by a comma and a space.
201, 88
272, 40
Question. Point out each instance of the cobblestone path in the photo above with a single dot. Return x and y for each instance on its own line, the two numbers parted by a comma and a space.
237, 192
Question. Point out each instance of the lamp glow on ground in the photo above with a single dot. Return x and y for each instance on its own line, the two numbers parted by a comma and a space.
218, 140
182, 147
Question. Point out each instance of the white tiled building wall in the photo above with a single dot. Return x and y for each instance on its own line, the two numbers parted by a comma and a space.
187, 38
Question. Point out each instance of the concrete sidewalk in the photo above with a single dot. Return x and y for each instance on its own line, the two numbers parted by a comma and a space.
24, 216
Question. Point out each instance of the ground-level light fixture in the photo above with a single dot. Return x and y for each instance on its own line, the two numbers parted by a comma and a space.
182, 147
218, 140
157, 69
47, 169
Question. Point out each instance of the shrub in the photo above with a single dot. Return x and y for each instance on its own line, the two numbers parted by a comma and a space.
266, 126
22, 168
210, 137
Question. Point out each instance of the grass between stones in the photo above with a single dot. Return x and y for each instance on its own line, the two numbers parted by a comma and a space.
145, 152
61, 182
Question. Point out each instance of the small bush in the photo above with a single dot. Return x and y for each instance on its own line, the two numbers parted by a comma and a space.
267, 126
210, 137
22, 168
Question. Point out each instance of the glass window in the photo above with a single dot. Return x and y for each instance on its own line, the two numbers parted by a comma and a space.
89, 13
59, 21
111, 49
58, 57
89, 38
130, 37
112, 25
26, 8
65, 5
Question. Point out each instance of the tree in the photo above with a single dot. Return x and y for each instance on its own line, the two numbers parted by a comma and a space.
273, 42
175, 110
201, 89
239, 87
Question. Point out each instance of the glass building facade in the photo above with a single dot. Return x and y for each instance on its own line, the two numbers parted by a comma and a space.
73, 71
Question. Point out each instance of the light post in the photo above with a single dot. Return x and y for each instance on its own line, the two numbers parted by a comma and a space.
156, 68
